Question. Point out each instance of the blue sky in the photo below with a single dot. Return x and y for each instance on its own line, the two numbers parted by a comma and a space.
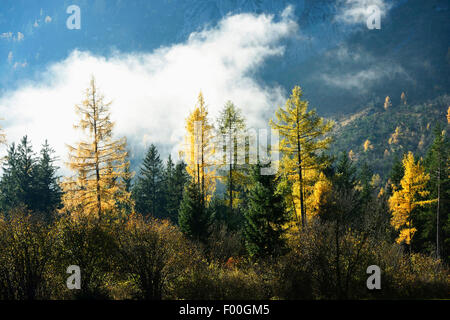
146, 59
35, 32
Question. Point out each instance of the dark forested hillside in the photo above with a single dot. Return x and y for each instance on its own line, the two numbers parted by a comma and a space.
390, 132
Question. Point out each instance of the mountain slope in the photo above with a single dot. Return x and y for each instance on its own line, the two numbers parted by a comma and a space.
391, 133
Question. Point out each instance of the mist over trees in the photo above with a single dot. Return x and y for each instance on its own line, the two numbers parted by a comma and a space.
306, 231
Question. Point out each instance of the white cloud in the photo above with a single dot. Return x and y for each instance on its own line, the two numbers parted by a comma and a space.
355, 11
362, 80
48, 19
153, 93
6, 35
20, 65
358, 69
20, 36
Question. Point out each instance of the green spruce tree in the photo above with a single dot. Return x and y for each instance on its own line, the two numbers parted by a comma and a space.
436, 218
148, 192
47, 181
264, 217
194, 218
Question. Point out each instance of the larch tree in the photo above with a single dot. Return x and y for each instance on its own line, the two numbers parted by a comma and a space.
200, 150
97, 161
231, 126
406, 198
302, 134
319, 194
387, 103
367, 145
448, 114
403, 98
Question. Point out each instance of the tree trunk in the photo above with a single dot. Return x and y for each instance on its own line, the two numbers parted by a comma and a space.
97, 167
300, 178
231, 174
437, 211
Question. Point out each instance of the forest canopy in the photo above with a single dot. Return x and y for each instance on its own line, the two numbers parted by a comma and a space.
228, 220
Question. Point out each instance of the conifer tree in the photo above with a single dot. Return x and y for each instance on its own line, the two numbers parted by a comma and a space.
200, 150
175, 179
126, 203
28, 181
47, 184
18, 187
387, 103
194, 218
439, 185
364, 183
265, 216
231, 126
448, 114
182, 177
97, 161
367, 145
302, 134
344, 176
403, 98
149, 190
408, 197
319, 195
396, 174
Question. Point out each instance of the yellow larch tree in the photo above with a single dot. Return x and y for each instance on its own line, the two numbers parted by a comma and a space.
303, 136
394, 139
318, 195
98, 162
387, 103
407, 197
231, 126
351, 155
403, 98
199, 153
448, 114
367, 145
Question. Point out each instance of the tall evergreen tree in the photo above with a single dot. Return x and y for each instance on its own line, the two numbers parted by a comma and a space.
194, 218
9, 183
126, 202
47, 184
436, 164
148, 192
396, 174
344, 178
172, 201
364, 183
28, 181
265, 216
